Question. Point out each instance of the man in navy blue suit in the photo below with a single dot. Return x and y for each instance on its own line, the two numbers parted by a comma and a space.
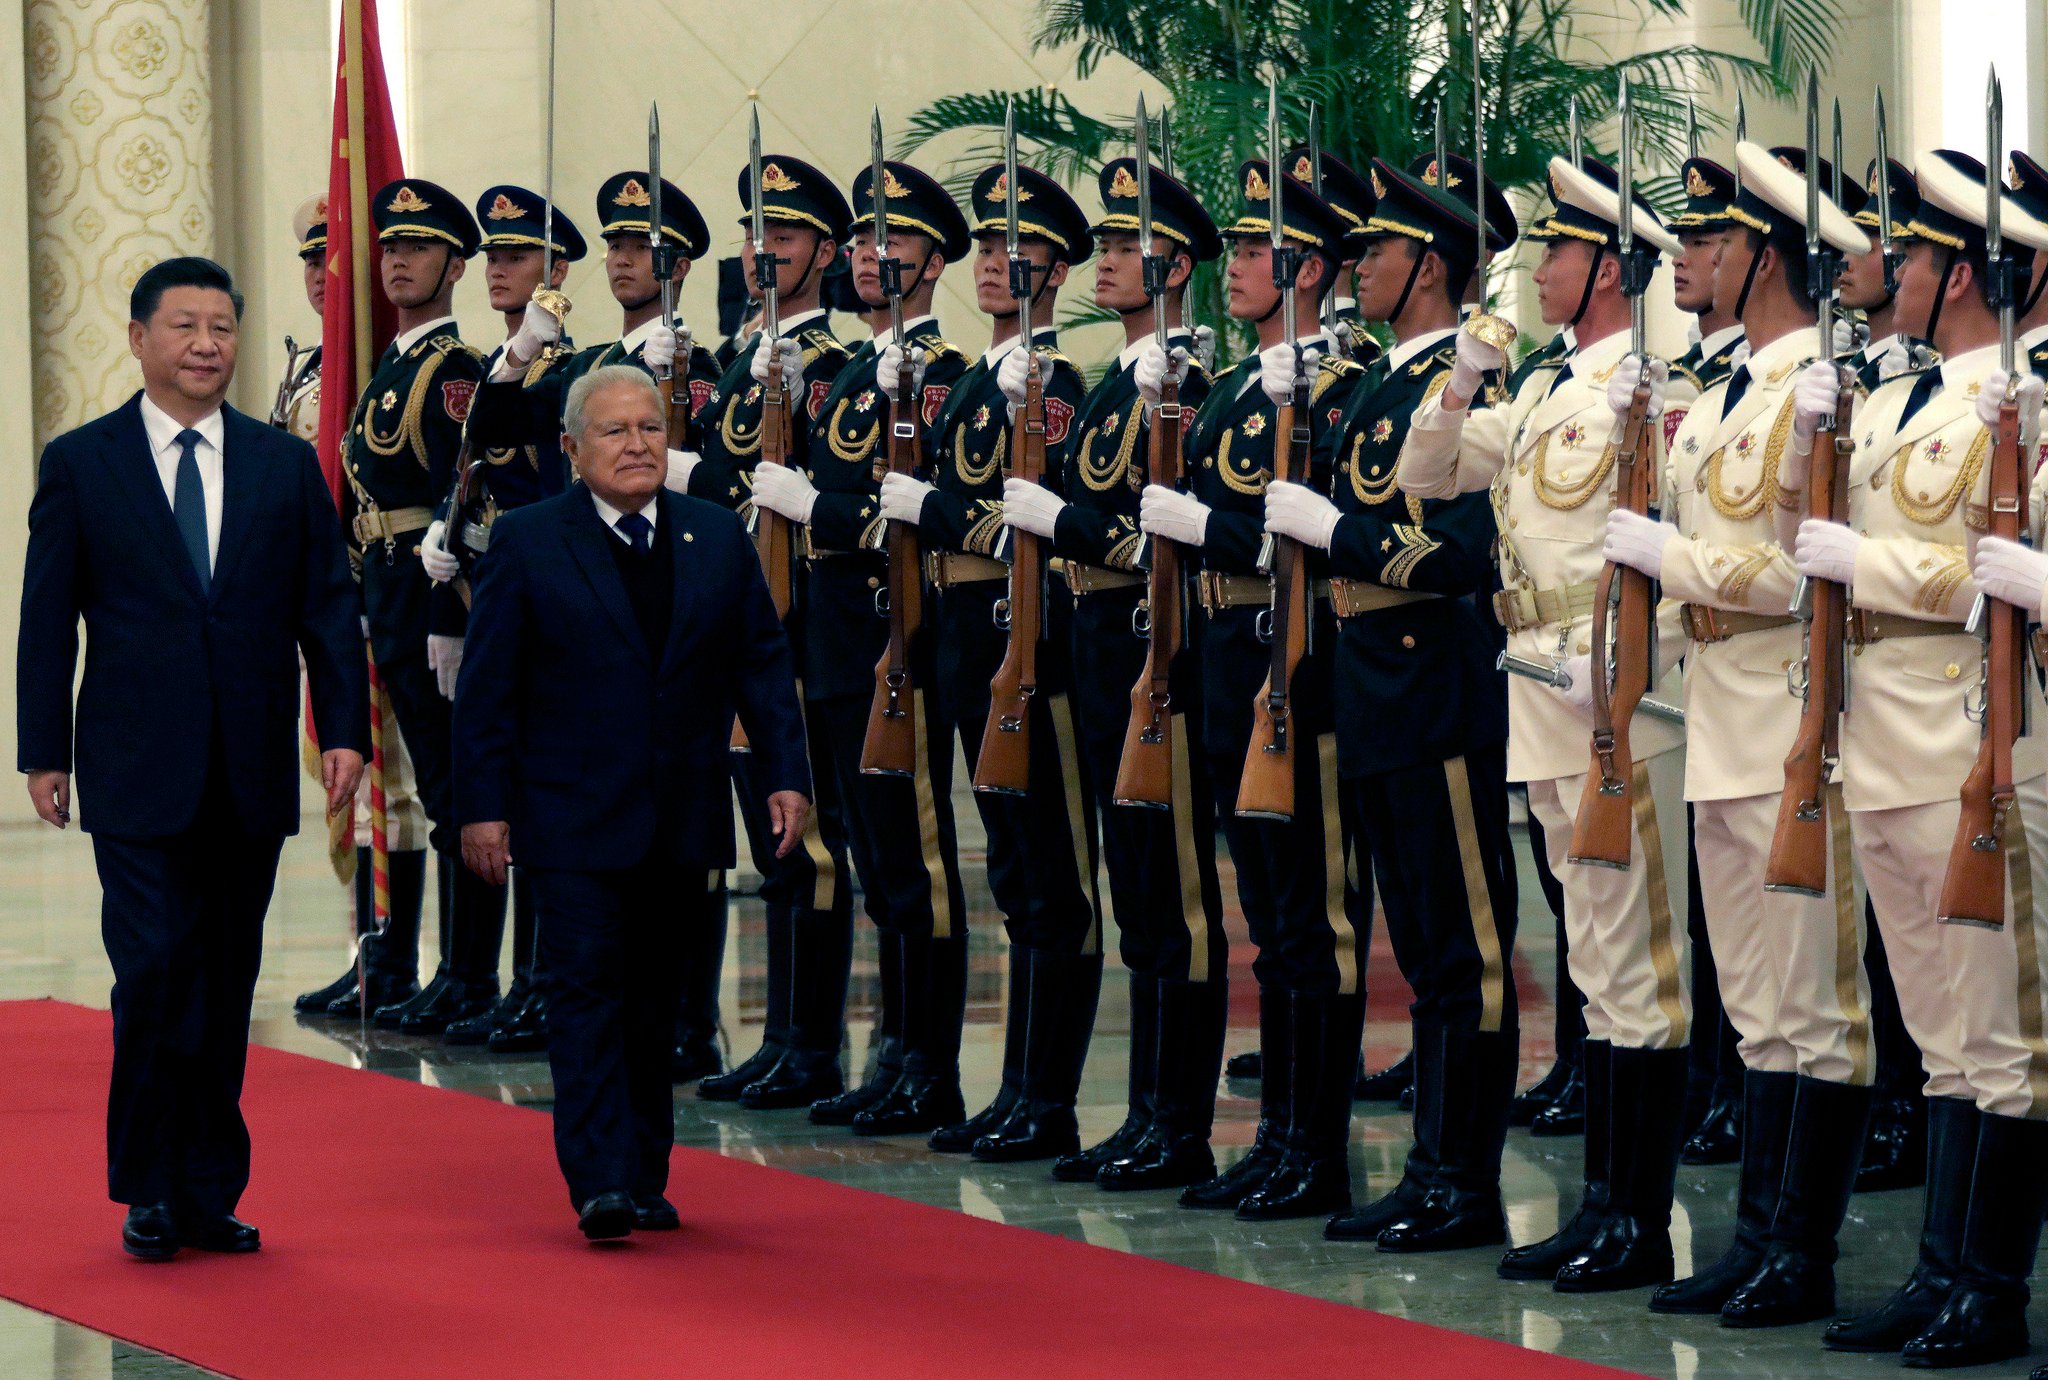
202, 550
615, 632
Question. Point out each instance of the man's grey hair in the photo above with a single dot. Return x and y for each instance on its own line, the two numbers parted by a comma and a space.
598, 379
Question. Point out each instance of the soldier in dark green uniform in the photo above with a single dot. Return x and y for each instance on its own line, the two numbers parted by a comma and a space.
1296, 881
1351, 197
899, 829
1161, 863
1886, 351
1041, 845
1422, 716
808, 894
398, 461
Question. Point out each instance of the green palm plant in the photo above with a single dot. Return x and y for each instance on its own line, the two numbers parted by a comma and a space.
1376, 71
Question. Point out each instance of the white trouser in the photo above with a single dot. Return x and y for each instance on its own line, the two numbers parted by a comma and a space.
1972, 998
1626, 928
1790, 967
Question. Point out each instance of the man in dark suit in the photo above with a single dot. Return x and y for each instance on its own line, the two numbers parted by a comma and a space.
202, 549
616, 629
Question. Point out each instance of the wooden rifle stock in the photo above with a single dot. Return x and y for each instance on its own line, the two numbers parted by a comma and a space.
675, 405
1144, 775
1801, 842
1003, 767
771, 529
1605, 827
1266, 788
1973, 890
890, 747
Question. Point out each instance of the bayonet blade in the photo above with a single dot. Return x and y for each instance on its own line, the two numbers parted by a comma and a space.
1144, 175
1835, 176
1741, 135
654, 176
1994, 163
1812, 161
878, 193
1010, 175
547, 172
1166, 141
1441, 149
1625, 228
1575, 135
1692, 127
1315, 149
765, 265
1884, 178
1276, 233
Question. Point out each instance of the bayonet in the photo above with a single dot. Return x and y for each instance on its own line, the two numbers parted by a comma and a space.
1884, 201
662, 257
1020, 267
1166, 142
1633, 280
1154, 266
1692, 127
2004, 295
1741, 135
1835, 176
889, 269
1326, 313
765, 262
1574, 135
1441, 150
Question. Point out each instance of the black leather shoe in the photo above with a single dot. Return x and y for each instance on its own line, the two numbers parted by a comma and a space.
150, 1233
525, 1031
1447, 1221
727, 1086
389, 1016
1039, 1131
917, 1103
1313, 1178
1084, 1166
386, 989
1299, 1186
1366, 1223
798, 1079
652, 1212
224, 1233
1245, 1065
608, 1216
1896, 1321
1718, 1137
1566, 1114
459, 1001
841, 1110
1632, 1247
1524, 1107
1768, 1101
1973, 1328
1388, 1084
958, 1137
1161, 1159
315, 1003
1626, 1252
1543, 1259
696, 1060
476, 1030
1235, 1184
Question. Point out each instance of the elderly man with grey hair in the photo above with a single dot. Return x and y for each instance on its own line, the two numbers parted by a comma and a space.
617, 629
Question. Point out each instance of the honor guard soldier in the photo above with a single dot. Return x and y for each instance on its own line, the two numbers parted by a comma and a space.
1548, 457
1702, 228
1296, 877
1351, 197
2028, 182
899, 827
1868, 287
1421, 714
1161, 861
395, 973
398, 461
1971, 996
1041, 841
808, 894
1789, 964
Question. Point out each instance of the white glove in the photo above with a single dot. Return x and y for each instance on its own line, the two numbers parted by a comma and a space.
1621, 386
660, 349
780, 489
792, 362
366, 627
1277, 373
1150, 370
1476, 359
1293, 510
1826, 551
1030, 506
1579, 693
538, 329
1169, 513
1636, 541
1739, 356
435, 556
444, 659
1205, 345
1991, 397
1845, 336
1015, 372
889, 369
2008, 571
1813, 398
680, 463
903, 498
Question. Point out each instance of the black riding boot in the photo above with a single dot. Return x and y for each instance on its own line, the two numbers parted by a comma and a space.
391, 960
478, 1029
1951, 1157
1985, 1317
696, 1053
1187, 1057
1313, 1177
926, 1095
1796, 1281
476, 933
1419, 1171
1895, 1148
1542, 1259
1632, 1248
1064, 995
525, 1026
885, 1045
725, 1087
1767, 1102
1476, 1077
1564, 1087
808, 1068
1082, 1166
1276, 1102
957, 1137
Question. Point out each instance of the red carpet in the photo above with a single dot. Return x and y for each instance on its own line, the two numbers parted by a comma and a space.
443, 1246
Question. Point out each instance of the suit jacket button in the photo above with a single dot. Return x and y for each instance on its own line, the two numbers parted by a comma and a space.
1951, 670
1408, 642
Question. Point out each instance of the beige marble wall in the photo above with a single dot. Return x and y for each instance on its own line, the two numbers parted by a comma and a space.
17, 388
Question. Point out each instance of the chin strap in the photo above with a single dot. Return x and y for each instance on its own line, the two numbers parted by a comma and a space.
1948, 268
1592, 276
1414, 272
1749, 281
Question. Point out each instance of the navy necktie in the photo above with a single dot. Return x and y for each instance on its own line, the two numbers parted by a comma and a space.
188, 506
1924, 390
636, 529
1737, 386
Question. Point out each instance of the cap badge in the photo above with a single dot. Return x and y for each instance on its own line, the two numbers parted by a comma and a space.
891, 185
1122, 184
407, 202
774, 179
632, 193
1255, 188
1696, 183
503, 208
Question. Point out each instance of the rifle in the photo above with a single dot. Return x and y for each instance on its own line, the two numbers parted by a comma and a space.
294, 361
1624, 627
771, 529
1004, 763
1266, 788
673, 383
890, 747
1973, 891
1800, 844
1145, 772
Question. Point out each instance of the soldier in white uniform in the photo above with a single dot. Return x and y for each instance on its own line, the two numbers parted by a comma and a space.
1790, 966
1549, 458
1972, 997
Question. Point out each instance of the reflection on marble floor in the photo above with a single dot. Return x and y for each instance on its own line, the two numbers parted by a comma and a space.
49, 947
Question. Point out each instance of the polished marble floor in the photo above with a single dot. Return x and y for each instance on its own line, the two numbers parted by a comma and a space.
49, 947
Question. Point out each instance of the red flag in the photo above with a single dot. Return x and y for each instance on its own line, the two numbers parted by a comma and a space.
357, 323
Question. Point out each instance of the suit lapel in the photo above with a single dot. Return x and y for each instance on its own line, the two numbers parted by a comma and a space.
585, 533
681, 547
137, 481
241, 472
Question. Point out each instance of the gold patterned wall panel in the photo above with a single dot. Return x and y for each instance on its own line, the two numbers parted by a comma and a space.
120, 168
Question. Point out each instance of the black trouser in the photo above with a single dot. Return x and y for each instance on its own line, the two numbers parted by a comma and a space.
1306, 901
1161, 863
611, 956
182, 919
1042, 844
1437, 838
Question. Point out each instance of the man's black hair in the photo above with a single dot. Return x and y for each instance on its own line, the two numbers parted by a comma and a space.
190, 271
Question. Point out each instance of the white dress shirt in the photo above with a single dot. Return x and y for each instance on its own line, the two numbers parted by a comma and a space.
163, 430
418, 333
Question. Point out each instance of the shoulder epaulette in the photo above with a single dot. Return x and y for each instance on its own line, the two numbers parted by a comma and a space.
1343, 366
937, 347
448, 344
1693, 374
